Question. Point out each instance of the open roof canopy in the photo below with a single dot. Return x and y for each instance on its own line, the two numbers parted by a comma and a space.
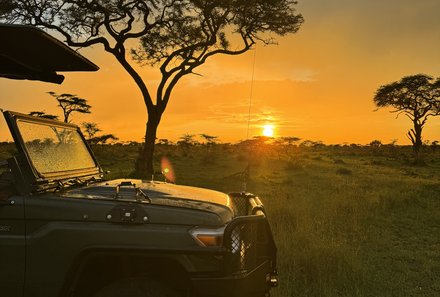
27, 52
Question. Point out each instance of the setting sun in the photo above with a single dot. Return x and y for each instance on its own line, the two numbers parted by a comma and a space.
268, 130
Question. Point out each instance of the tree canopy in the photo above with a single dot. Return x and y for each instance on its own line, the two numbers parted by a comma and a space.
43, 114
71, 103
90, 129
417, 97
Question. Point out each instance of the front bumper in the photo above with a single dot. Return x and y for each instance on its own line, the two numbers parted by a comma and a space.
249, 264
255, 283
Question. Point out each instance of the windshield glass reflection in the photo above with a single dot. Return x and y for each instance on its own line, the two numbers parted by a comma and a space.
54, 149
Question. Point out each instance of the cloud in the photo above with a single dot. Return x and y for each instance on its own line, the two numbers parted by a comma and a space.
240, 71
238, 113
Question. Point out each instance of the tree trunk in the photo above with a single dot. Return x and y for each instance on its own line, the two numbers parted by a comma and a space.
144, 162
415, 136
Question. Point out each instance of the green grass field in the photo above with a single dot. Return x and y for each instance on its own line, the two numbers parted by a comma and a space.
348, 221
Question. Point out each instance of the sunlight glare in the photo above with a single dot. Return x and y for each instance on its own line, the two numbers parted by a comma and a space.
268, 130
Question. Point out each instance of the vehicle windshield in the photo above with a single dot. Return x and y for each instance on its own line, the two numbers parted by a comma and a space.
54, 149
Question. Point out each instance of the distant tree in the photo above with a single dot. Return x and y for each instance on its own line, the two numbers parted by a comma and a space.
417, 97
255, 146
134, 143
376, 143
291, 140
186, 140
210, 141
42, 114
254, 141
311, 143
209, 138
286, 146
435, 145
70, 103
90, 129
393, 142
103, 139
164, 141
177, 36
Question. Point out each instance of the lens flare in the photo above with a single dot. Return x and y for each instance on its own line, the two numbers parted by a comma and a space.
167, 170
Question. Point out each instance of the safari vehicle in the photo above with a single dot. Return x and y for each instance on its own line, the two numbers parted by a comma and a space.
65, 231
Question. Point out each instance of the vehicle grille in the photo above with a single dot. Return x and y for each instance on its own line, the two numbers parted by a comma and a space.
249, 242
240, 205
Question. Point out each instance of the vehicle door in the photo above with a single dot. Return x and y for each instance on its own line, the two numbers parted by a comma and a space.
12, 241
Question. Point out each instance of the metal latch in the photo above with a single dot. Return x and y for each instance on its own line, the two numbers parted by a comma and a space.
128, 213
140, 196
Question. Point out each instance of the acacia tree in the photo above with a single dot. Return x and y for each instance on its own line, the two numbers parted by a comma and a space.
176, 36
71, 103
90, 129
210, 140
42, 114
417, 97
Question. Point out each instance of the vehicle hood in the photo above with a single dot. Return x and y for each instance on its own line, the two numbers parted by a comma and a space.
158, 192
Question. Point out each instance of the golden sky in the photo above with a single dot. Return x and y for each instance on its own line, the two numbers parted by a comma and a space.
317, 84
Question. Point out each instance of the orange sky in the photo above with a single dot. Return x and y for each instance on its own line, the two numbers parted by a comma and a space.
317, 84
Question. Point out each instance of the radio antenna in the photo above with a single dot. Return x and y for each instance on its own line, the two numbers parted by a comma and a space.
246, 171
251, 93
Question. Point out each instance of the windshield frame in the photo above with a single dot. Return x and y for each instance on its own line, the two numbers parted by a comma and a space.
13, 117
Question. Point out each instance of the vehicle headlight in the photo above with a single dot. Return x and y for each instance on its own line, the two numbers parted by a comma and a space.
208, 236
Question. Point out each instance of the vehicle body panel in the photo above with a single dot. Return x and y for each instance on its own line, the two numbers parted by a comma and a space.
12, 247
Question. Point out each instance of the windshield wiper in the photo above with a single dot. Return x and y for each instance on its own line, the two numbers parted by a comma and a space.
76, 181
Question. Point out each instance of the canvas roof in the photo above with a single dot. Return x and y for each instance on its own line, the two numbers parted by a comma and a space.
27, 52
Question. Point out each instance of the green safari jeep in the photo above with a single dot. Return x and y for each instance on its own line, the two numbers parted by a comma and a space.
67, 232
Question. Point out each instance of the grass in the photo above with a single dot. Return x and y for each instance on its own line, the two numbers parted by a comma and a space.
348, 221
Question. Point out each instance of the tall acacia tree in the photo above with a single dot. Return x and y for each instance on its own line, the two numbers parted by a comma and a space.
417, 97
176, 36
71, 103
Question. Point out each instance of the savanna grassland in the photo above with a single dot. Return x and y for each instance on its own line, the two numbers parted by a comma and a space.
348, 220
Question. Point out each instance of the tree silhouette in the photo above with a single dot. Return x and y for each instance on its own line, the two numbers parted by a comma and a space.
42, 114
177, 36
375, 143
186, 141
210, 140
164, 141
91, 129
70, 103
286, 145
435, 145
417, 97
102, 139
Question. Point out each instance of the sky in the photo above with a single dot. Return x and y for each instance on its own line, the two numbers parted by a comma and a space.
317, 84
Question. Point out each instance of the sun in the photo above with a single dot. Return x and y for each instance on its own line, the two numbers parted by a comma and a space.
268, 130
